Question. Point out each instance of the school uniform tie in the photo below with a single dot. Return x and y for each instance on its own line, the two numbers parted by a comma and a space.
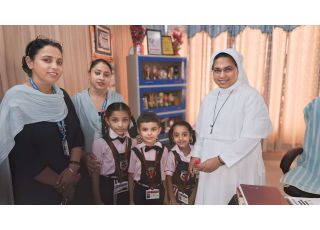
121, 139
155, 147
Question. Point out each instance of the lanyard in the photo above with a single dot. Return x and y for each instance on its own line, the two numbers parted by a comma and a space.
61, 124
104, 106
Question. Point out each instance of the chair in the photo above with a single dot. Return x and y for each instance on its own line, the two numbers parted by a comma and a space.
288, 158
285, 164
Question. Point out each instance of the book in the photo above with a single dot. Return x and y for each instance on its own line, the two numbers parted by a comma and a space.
302, 200
261, 195
240, 197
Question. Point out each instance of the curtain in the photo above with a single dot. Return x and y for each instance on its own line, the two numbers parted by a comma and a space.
121, 43
282, 63
76, 52
76, 42
199, 79
300, 83
233, 30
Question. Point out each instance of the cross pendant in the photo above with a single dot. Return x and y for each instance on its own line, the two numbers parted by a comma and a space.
211, 128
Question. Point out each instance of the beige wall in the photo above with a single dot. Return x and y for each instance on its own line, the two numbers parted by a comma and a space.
77, 54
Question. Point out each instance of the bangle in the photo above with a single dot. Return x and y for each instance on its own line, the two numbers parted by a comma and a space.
76, 163
221, 162
71, 170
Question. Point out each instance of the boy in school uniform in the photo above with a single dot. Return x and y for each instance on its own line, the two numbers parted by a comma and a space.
147, 164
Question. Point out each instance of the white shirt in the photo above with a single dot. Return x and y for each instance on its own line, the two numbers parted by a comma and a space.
104, 155
171, 163
135, 163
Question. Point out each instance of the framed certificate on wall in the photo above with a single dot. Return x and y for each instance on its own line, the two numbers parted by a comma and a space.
167, 48
101, 44
154, 42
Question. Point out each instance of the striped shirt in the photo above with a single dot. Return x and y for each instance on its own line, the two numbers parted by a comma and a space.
306, 176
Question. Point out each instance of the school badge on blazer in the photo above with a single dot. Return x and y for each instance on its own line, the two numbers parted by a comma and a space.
123, 165
184, 176
151, 172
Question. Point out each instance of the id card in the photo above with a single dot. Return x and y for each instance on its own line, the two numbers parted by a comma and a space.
183, 197
120, 187
65, 147
152, 194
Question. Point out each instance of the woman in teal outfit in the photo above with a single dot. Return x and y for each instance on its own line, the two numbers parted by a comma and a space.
90, 104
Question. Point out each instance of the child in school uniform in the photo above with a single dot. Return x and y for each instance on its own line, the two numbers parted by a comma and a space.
110, 183
182, 186
147, 163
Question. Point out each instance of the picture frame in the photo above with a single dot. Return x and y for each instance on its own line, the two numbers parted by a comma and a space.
102, 37
101, 43
154, 42
166, 44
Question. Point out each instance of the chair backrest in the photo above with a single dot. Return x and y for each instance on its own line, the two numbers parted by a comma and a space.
288, 158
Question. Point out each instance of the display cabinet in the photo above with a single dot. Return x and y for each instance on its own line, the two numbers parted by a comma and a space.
158, 84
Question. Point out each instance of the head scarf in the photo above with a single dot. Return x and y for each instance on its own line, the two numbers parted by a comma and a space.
242, 76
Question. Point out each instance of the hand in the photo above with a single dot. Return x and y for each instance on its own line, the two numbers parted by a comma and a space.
92, 163
139, 139
66, 182
210, 165
68, 194
194, 163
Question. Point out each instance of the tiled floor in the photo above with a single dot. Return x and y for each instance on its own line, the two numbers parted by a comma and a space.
273, 171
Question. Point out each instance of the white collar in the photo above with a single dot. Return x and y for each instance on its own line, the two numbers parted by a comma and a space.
113, 135
177, 149
142, 145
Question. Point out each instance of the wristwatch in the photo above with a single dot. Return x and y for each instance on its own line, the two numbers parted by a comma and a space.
220, 160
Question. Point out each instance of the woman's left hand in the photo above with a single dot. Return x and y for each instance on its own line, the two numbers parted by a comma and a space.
66, 181
210, 165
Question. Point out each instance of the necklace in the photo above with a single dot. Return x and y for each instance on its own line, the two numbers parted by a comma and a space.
214, 113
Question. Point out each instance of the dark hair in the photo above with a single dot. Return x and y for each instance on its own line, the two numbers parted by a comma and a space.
185, 124
97, 61
33, 48
224, 55
148, 117
117, 106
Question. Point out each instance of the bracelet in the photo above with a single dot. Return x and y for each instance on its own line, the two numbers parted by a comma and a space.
74, 162
220, 161
71, 170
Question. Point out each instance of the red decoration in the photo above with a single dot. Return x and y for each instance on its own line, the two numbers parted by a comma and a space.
177, 40
137, 34
196, 161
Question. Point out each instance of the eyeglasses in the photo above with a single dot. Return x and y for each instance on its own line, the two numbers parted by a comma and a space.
226, 70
